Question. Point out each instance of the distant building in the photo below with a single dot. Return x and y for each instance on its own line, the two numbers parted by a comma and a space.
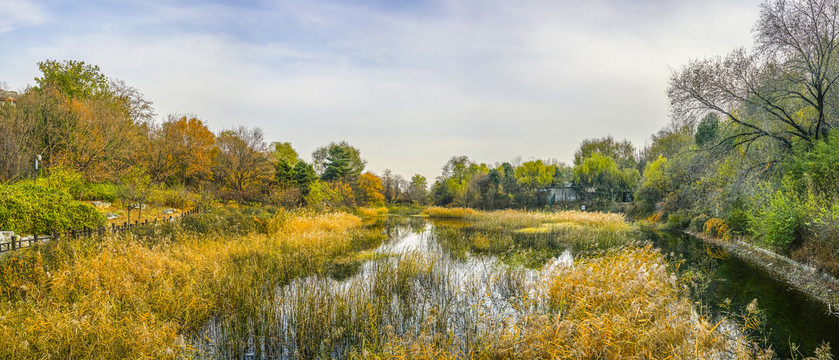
565, 193
7, 100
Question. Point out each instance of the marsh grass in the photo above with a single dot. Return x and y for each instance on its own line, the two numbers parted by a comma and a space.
128, 298
527, 238
623, 304
311, 286
367, 212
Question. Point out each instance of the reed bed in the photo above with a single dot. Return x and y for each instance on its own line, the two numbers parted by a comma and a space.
520, 219
268, 296
624, 304
122, 298
529, 238
367, 212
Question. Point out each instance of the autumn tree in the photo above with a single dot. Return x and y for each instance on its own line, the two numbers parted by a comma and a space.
181, 150
135, 189
242, 168
103, 139
16, 142
370, 190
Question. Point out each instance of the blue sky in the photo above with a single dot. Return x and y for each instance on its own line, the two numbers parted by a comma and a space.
411, 83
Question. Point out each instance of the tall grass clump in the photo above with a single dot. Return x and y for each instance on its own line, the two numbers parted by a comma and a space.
448, 213
367, 212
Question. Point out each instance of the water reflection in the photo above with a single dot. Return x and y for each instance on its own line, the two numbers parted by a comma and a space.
726, 284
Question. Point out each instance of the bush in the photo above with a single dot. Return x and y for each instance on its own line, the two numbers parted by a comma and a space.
28, 209
717, 228
678, 220
224, 220
698, 222
91, 192
778, 220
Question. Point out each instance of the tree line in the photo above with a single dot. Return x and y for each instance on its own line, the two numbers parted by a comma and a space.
753, 143
83, 125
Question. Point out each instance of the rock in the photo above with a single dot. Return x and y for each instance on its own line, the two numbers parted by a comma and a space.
168, 211
111, 216
6, 235
101, 204
139, 206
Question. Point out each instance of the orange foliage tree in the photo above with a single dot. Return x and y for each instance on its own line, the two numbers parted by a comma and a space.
181, 150
242, 168
103, 139
370, 190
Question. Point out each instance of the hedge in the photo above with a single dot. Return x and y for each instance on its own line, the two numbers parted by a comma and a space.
29, 208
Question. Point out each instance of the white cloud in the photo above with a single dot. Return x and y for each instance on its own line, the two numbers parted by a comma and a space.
19, 13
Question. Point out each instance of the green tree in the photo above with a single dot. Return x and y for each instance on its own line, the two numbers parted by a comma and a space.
621, 151
531, 177
283, 151
418, 189
348, 158
706, 131
602, 174
75, 79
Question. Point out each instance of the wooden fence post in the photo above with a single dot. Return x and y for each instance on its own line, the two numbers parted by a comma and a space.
13, 242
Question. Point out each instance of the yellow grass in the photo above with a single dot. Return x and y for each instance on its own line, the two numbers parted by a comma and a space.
519, 218
623, 305
122, 299
441, 212
366, 212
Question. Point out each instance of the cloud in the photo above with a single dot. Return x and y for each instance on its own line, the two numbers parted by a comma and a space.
413, 85
19, 13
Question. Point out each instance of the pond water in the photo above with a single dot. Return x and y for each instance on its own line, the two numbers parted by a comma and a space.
790, 315
465, 297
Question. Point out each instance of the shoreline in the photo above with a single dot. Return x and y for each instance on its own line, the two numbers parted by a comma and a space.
816, 284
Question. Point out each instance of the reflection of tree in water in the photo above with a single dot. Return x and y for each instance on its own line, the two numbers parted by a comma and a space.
766, 309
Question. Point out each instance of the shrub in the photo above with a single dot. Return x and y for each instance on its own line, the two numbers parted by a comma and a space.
678, 220
224, 220
717, 228
656, 217
698, 222
91, 192
28, 209
778, 221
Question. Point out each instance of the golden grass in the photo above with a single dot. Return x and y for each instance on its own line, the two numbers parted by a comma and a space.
452, 213
122, 299
623, 305
517, 219
366, 212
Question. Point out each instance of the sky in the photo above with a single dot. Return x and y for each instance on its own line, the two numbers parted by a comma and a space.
410, 83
